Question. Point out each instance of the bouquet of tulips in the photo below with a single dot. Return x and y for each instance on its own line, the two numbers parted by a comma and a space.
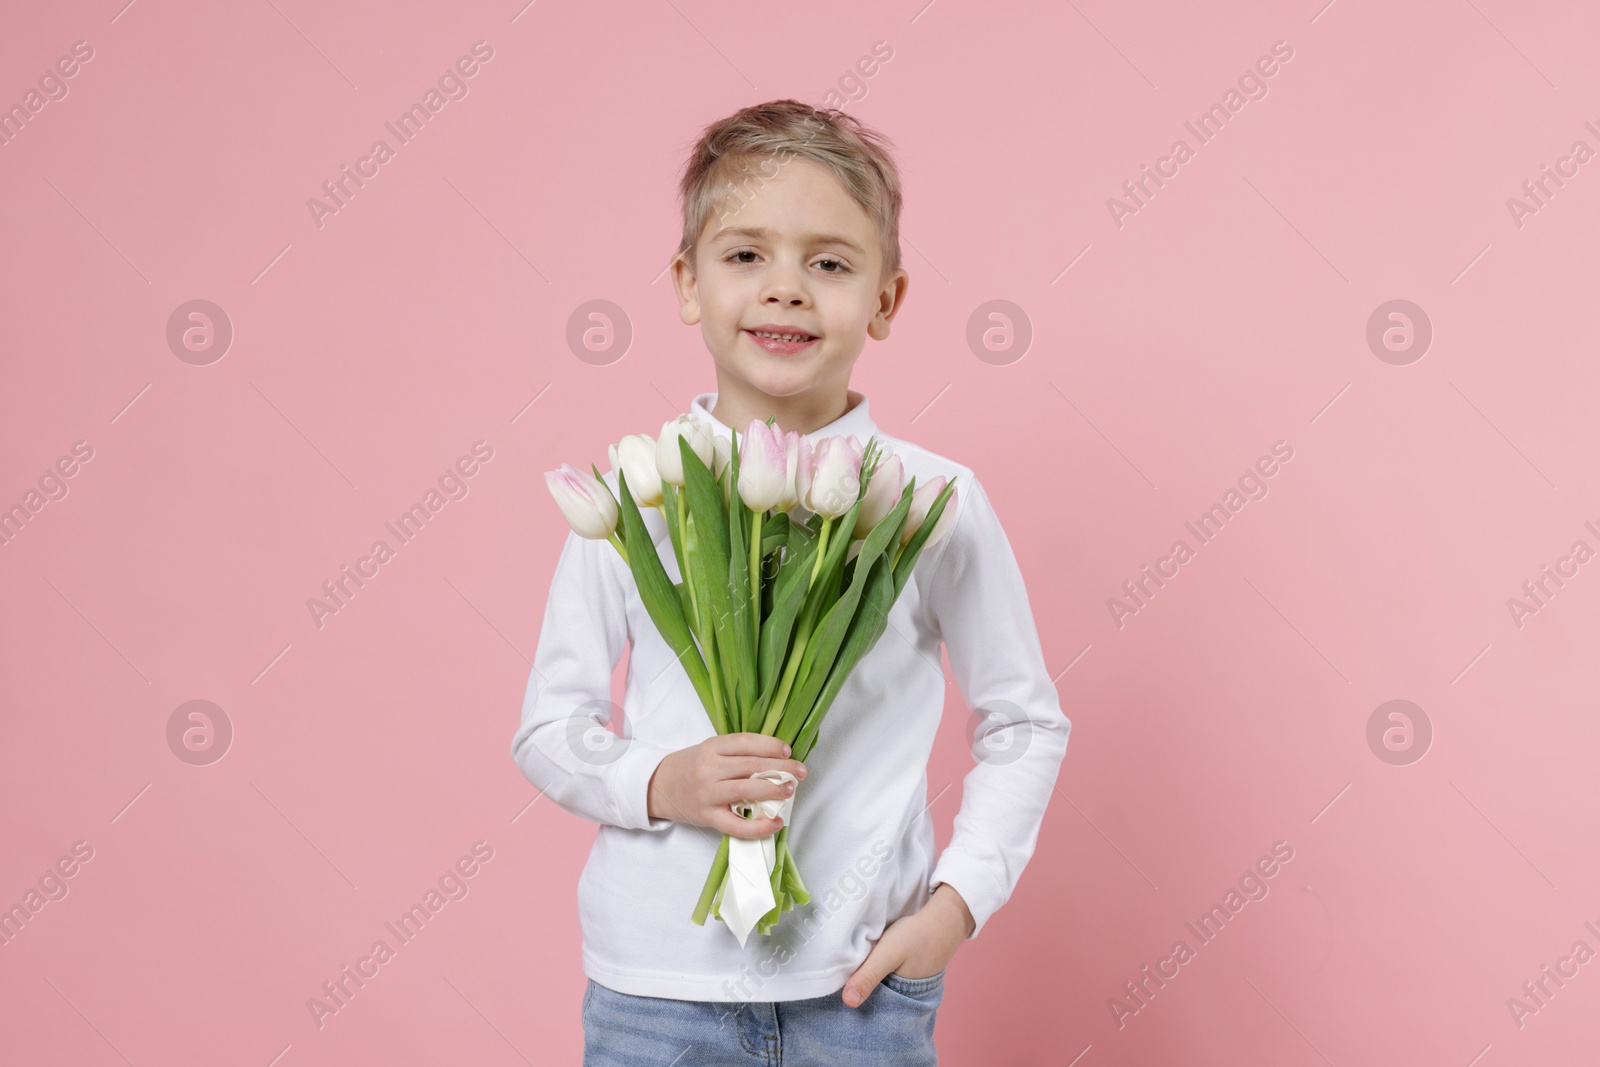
790, 558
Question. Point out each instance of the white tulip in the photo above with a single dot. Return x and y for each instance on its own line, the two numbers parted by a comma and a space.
883, 493
797, 455
947, 518
586, 501
922, 499
668, 460
722, 455
835, 479
635, 456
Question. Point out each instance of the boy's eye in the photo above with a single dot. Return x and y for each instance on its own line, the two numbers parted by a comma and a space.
839, 266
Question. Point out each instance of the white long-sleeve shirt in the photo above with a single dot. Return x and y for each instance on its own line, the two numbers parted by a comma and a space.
860, 830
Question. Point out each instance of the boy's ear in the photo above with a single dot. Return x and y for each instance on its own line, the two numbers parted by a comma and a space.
891, 298
687, 288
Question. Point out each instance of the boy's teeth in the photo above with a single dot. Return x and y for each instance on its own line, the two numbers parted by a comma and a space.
782, 336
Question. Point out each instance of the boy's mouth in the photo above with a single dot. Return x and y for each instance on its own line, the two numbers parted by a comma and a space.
779, 340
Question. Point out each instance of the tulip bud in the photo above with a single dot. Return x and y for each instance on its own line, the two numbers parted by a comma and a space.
835, 477
883, 493
721, 456
802, 461
586, 501
794, 443
922, 499
797, 459
668, 460
946, 518
635, 455
763, 466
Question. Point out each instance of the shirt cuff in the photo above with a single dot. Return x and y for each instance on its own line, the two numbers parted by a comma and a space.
974, 881
630, 782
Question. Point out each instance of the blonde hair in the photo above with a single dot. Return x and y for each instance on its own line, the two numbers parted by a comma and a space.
778, 131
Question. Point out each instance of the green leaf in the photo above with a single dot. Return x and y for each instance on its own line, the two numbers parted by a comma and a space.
599, 478
669, 512
789, 592
870, 622
775, 533
913, 548
883, 589
662, 602
708, 515
824, 646
701, 601
743, 649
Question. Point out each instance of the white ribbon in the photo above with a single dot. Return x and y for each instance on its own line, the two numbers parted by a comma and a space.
747, 893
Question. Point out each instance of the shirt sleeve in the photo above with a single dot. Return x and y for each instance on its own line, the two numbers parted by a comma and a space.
568, 696
980, 606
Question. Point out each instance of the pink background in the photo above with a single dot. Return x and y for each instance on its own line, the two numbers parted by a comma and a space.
431, 312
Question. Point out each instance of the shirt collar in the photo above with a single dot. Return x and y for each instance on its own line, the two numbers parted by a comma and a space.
857, 420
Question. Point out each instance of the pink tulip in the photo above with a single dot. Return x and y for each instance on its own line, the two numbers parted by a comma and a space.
587, 502
797, 459
763, 466
835, 477
883, 493
921, 500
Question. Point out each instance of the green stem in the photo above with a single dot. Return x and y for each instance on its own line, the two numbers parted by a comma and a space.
719, 871
787, 874
756, 518
683, 539
781, 697
775, 709
806, 736
615, 540
707, 645
822, 549
791, 876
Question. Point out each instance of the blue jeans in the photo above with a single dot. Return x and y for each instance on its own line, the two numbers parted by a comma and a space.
893, 1027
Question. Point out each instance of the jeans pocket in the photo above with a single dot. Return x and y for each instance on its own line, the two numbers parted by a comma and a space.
919, 988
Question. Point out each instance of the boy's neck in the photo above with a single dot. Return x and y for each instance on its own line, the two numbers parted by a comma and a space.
803, 413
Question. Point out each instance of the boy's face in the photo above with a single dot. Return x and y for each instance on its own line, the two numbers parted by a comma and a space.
796, 253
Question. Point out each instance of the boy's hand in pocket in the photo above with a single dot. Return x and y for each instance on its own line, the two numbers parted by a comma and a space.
918, 945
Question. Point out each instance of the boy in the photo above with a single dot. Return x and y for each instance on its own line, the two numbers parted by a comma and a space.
787, 273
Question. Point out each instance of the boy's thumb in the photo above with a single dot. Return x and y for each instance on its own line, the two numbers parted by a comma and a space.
860, 985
